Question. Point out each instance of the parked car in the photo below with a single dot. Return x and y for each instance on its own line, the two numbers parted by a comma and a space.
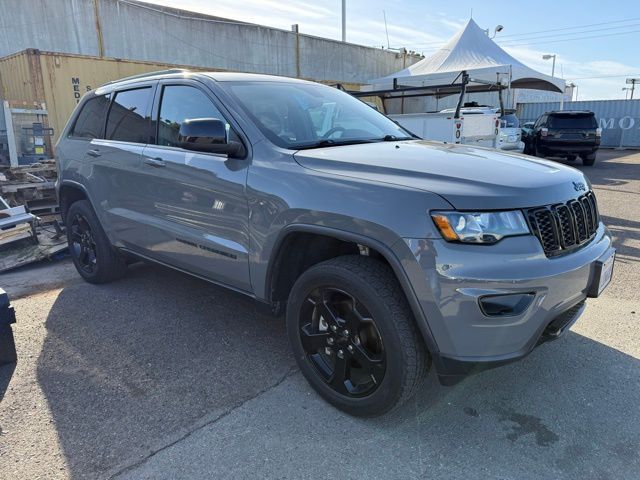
389, 254
564, 134
509, 134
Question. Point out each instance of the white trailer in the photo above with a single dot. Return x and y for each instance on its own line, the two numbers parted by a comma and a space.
472, 129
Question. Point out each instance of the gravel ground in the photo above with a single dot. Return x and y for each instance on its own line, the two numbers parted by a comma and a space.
161, 375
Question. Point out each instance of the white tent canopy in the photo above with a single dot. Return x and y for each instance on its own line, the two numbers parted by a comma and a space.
471, 50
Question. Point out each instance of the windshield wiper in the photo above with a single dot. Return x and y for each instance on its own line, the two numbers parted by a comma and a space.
393, 138
328, 142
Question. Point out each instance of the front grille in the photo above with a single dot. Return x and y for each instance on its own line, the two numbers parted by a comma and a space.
565, 226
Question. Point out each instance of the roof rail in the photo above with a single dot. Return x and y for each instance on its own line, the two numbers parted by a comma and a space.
148, 74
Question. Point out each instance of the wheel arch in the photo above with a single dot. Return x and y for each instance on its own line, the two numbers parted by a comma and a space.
70, 192
277, 260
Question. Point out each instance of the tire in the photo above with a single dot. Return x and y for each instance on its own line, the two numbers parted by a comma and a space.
571, 158
537, 152
93, 256
388, 359
589, 159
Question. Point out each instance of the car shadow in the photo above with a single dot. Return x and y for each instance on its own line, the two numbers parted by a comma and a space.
127, 364
6, 372
131, 366
626, 234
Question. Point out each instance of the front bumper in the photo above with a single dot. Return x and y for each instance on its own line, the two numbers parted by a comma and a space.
449, 279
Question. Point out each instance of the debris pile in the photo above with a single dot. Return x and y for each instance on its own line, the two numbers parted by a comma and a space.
29, 215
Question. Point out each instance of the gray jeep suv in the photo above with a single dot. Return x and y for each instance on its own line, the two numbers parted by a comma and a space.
388, 253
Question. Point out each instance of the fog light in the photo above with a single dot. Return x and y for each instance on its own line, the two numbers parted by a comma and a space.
505, 305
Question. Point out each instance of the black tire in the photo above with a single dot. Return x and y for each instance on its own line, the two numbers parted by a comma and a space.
589, 159
571, 158
374, 289
537, 152
94, 257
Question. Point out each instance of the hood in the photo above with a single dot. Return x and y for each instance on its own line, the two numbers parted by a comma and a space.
470, 178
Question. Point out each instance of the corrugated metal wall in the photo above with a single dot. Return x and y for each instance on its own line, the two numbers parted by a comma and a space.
619, 119
147, 32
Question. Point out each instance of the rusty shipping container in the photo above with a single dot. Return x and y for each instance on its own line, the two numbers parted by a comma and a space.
57, 81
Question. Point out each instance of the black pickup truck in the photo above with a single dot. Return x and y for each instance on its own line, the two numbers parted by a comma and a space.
563, 134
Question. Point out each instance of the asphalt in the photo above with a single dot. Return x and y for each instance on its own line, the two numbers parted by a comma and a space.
163, 376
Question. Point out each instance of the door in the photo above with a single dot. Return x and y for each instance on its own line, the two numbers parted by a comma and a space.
113, 166
195, 204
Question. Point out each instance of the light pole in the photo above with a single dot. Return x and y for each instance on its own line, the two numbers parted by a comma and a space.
626, 91
344, 20
632, 82
573, 87
553, 66
497, 30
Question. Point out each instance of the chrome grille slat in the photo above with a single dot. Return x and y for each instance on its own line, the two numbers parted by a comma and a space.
563, 227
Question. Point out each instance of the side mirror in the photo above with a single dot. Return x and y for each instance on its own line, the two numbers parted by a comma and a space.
207, 135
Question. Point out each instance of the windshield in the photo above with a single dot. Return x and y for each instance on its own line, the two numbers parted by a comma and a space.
301, 115
587, 121
509, 120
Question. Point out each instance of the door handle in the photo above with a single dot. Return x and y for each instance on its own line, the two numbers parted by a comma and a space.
94, 153
155, 162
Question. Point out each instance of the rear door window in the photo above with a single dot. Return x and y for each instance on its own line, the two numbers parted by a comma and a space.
128, 119
582, 122
90, 121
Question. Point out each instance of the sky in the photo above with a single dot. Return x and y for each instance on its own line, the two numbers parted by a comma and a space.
596, 43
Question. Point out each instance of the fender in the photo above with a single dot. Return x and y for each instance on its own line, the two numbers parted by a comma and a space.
73, 184
384, 250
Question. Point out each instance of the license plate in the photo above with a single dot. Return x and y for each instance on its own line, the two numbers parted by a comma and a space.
603, 272
512, 138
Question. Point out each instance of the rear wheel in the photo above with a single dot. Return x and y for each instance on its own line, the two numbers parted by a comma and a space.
589, 159
94, 257
354, 336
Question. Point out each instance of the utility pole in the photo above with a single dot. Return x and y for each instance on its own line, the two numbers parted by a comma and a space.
384, 14
344, 20
632, 82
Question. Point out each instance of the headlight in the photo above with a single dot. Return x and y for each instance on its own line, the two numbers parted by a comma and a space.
480, 227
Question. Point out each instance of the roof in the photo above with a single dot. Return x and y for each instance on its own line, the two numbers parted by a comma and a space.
184, 73
472, 50
570, 112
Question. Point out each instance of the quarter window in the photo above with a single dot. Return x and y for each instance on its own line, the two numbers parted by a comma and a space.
128, 118
90, 121
180, 103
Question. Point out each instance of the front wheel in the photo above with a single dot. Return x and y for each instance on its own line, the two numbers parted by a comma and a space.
354, 336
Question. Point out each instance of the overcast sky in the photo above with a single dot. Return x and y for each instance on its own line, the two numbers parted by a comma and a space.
591, 38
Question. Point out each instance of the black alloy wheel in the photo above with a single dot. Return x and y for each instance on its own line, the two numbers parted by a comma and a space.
342, 342
93, 255
82, 243
354, 336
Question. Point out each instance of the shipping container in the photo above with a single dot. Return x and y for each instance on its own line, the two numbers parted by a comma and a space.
56, 81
